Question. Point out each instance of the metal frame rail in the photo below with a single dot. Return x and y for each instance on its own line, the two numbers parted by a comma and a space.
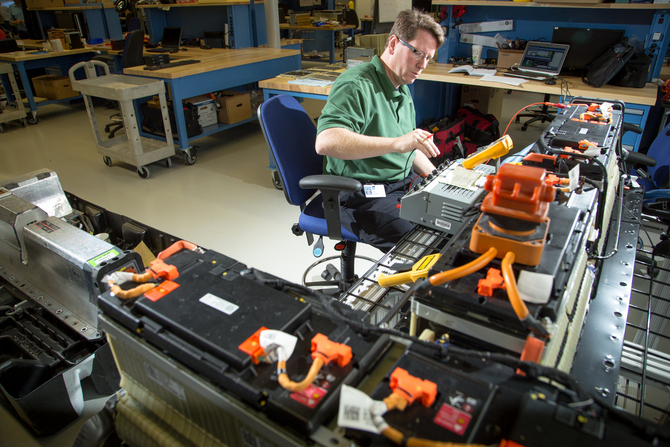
644, 377
385, 306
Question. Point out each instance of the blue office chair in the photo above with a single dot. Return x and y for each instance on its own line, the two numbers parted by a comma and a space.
291, 135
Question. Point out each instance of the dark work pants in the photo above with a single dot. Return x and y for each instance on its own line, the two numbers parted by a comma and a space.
376, 221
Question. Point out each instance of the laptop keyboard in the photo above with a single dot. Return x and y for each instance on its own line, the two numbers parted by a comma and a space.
161, 50
526, 75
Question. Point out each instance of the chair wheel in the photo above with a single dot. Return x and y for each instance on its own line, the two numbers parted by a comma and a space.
524, 127
143, 172
107, 160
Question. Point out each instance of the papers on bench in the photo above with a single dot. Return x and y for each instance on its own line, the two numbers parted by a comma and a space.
469, 69
312, 82
503, 80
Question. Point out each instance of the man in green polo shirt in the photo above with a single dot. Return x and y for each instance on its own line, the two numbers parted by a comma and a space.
367, 130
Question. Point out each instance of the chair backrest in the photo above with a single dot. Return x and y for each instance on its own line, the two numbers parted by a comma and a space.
660, 151
351, 17
133, 49
134, 23
290, 134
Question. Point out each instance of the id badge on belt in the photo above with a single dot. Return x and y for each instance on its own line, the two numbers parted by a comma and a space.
374, 191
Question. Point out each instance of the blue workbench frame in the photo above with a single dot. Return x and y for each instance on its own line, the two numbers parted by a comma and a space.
63, 62
223, 79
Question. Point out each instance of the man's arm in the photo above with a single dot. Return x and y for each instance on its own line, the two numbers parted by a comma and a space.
421, 164
344, 144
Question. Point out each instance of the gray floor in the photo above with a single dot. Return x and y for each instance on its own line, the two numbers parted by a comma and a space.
225, 201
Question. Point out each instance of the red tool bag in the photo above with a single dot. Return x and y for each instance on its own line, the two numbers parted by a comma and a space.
482, 129
461, 137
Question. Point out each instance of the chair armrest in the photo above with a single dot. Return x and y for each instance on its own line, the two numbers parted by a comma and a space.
104, 58
330, 187
335, 182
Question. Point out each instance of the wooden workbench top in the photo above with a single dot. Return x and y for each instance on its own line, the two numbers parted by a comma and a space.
211, 60
315, 28
645, 96
20, 56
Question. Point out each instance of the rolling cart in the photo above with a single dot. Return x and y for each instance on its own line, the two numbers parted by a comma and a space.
130, 148
14, 109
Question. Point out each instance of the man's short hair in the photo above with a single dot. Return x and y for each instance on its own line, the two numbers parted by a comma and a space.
410, 21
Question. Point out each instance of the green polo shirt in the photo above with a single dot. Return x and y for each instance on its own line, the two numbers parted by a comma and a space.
364, 101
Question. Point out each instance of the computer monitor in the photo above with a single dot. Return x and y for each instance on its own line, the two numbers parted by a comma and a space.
586, 44
171, 37
65, 20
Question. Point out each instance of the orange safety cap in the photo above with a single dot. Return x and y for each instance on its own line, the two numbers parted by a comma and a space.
252, 346
328, 350
412, 388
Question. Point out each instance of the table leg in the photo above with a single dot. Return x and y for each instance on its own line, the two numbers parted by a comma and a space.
180, 121
332, 46
26, 86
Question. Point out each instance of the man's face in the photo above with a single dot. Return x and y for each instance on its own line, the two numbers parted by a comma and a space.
407, 64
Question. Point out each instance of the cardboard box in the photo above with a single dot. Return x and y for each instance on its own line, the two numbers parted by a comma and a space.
508, 58
53, 87
235, 107
484, 99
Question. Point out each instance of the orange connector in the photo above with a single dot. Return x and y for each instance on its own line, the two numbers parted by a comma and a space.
519, 192
532, 351
252, 347
493, 281
554, 180
585, 144
412, 388
160, 269
328, 350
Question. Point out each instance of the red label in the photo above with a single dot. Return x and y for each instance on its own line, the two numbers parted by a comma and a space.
452, 419
310, 396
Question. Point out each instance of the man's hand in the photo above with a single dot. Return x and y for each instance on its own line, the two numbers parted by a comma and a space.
418, 139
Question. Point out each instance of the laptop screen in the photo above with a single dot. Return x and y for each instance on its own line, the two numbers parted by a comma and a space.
544, 57
171, 37
8, 45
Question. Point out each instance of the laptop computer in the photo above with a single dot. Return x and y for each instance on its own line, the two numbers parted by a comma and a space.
170, 41
8, 45
541, 61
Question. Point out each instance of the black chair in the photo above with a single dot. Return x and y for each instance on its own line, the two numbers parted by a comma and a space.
291, 136
351, 18
542, 114
132, 56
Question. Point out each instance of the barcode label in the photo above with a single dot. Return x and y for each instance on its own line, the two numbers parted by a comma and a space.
219, 304
354, 411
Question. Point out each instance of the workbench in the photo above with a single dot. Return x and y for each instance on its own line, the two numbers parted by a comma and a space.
218, 69
638, 100
22, 61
